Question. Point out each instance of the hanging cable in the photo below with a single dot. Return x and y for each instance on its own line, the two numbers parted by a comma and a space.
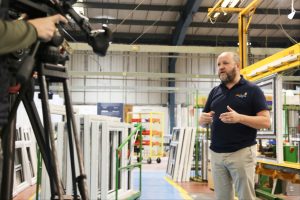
284, 31
128, 16
150, 27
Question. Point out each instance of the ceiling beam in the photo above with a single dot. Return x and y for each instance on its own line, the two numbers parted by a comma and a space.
163, 49
184, 21
178, 36
170, 8
151, 75
193, 24
195, 40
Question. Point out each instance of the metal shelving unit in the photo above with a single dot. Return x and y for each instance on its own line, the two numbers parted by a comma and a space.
152, 135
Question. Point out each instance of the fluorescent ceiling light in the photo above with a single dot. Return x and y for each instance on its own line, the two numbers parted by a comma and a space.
216, 15
292, 14
225, 3
293, 11
234, 3
104, 17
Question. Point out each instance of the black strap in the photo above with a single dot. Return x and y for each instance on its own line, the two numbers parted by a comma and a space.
4, 3
3, 8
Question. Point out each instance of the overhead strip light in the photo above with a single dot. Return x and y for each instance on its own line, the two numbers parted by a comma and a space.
293, 11
225, 3
233, 3
223, 10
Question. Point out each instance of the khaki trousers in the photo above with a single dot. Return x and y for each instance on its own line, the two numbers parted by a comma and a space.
234, 172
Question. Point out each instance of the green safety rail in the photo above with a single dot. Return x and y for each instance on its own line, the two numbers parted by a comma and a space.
197, 177
138, 130
291, 107
266, 195
39, 173
197, 150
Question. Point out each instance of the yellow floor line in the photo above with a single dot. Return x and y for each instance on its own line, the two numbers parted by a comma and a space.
33, 196
183, 193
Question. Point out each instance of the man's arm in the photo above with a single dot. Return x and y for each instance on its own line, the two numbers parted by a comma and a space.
206, 118
20, 34
261, 120
16, 35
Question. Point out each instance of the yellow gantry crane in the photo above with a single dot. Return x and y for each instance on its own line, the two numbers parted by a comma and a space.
244, 20
281, 61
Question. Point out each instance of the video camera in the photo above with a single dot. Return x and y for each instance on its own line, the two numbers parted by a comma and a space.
52, 52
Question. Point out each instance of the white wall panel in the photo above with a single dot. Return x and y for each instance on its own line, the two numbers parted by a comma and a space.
143, 62
132, 62
142, 98
93, 63
91, 82
194, 64
117, 63
77, 97
116, 97
131, 97
104, 96
105, 63
77, 61
155, 98
155, 64
76, 82
181, 98
91, 97
111, 89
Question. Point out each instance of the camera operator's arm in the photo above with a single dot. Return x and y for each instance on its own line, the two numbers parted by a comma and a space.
15, 35
45, 27
21, 34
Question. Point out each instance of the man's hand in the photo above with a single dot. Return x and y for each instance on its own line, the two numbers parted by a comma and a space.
46, 26
230, 117
206, 118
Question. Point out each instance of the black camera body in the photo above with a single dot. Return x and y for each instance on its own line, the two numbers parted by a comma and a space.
53, 52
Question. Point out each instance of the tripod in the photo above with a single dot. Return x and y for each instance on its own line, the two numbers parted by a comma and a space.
47, 73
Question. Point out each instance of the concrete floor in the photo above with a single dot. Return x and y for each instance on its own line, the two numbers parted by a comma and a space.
155, 186
156, 173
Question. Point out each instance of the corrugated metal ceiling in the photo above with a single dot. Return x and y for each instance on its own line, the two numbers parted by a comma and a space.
155, 21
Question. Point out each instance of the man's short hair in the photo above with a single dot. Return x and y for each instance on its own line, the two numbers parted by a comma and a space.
235, 56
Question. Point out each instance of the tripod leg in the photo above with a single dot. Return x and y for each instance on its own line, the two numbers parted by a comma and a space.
72, 157
8, 161
70, 118
40, 138
49, 131
8, 141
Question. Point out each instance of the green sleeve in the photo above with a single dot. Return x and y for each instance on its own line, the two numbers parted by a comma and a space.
16, 35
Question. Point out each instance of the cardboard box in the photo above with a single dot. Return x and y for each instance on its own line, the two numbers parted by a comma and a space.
127, 109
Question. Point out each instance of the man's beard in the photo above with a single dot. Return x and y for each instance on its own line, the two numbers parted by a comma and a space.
228, 77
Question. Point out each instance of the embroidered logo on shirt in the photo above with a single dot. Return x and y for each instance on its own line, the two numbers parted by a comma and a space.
241, 95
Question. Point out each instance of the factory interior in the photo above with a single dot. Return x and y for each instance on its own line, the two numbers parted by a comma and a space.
120, 116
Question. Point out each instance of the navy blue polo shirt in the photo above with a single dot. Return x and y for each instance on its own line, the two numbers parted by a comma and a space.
245, 98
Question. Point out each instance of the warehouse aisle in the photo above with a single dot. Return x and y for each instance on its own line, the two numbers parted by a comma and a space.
155, 184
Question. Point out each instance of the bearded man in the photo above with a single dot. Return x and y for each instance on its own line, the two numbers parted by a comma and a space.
235, 109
